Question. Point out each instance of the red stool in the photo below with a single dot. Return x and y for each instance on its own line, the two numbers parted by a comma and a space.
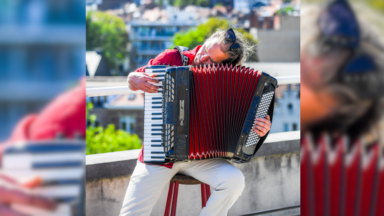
174, 190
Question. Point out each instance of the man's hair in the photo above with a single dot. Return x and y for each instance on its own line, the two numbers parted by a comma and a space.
354, 116
246, 48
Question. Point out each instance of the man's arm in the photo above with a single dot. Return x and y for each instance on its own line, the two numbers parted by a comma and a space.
138, 80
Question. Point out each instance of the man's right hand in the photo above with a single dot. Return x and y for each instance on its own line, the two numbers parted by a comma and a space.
13, 192
139, 81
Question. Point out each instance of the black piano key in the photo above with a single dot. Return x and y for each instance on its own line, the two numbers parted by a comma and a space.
155, 140
157, 129
154, 134
157, 152
157, 113
155, 145
156, 125
157, 118
157, 102
157, 98
158, 71
160, 91
157, 107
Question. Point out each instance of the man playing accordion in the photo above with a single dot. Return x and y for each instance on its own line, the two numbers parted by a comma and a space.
147, 181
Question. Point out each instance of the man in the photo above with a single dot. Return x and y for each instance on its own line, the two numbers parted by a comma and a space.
148, 181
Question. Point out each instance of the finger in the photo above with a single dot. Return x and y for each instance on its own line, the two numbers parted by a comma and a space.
6, 211
264, 130
150, 86
262, 124
32, 183
266, 121
21, 197
7, 178
260, 133
268, 118
148, 90
150, 79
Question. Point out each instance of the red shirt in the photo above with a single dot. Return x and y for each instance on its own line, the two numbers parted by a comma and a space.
65, 115
172, 58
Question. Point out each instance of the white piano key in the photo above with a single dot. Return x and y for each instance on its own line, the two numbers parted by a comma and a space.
156, 84
153, 122
153, 95
154, 149
48, 174
58, 191
149, 127
149, 143
152, 137
26, 160
153, 99
149, 159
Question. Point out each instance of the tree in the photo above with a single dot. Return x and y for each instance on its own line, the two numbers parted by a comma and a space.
198, 35
107, 32
103, 140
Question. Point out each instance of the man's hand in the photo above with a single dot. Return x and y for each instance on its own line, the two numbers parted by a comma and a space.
139, 81
13, 192
262, 126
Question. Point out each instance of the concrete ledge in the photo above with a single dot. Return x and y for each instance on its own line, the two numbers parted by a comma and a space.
109, 165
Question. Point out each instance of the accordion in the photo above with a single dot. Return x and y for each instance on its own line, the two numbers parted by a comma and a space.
205, 112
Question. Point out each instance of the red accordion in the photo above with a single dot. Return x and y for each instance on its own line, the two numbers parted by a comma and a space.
205, 112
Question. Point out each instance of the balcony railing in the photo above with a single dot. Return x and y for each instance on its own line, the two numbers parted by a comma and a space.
119, 90
274, 173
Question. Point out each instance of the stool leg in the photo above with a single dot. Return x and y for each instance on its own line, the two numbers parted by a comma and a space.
169, 199
208, 189
203, 195
174, 201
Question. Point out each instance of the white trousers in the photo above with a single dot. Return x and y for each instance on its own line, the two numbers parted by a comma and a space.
148, 181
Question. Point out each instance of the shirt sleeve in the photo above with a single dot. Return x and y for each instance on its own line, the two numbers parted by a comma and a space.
168, 57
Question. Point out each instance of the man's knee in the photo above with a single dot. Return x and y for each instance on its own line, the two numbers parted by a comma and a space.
234, 180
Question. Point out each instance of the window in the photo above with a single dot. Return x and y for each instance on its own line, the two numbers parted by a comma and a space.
131, 97
128, 123
286, 127
294, 126
290, 107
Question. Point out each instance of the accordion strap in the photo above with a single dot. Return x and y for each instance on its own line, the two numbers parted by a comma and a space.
184, 58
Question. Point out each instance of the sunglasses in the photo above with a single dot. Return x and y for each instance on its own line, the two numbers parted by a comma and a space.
340, 30
230, 37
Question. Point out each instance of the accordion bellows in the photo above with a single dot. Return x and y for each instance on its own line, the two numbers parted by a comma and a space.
220, 97
205, 112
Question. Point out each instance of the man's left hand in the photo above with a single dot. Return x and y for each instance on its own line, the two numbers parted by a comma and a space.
262, 126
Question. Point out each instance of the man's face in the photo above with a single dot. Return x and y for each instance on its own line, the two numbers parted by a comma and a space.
210, 53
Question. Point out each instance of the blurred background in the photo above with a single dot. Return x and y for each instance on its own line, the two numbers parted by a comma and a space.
342, 72
123, 35
42, 47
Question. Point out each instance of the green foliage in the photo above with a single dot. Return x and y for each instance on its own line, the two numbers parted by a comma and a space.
183, 3
103, 140
286, 10
107, 32
198, 35
378, 4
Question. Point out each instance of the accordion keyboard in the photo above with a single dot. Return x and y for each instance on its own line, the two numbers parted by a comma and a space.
153, 119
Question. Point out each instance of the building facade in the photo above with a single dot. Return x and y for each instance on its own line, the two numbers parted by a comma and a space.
149, 39
41, 47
